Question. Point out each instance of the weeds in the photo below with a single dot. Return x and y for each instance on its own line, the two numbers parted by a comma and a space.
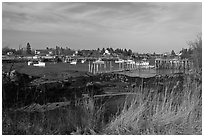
166, 112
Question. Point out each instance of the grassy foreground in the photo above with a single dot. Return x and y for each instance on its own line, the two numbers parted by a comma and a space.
170, 112
177, 109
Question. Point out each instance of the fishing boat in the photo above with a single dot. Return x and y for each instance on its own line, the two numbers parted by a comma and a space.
119, 61
82, 61
39, 64
144, 64
73, 62
130, 61
99, 61
30, 63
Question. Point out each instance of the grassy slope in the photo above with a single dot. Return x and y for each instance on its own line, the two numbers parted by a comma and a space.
167, 112
171, 112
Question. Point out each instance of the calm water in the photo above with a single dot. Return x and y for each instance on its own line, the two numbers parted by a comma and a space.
60, 67
137, 73
149, 72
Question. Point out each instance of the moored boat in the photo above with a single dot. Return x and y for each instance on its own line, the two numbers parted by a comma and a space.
73, 62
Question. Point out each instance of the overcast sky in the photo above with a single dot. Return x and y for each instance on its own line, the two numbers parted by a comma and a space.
143, 27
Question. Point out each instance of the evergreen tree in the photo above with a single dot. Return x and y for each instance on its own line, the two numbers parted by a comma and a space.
28, 49
129, 53
103, 51
173, 53
111, 50
125, 52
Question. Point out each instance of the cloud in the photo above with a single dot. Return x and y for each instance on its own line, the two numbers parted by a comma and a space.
101, 15
94, 15
115, 22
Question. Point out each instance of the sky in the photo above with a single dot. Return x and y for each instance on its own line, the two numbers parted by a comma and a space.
142, 27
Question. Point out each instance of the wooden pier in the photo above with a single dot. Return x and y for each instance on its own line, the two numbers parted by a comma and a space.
100, 66
166, 63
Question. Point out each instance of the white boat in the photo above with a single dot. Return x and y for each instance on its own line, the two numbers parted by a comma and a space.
35, 57
73, 62
144, 64
30, 63
39, 64
119, 61
99, 61
82, 61
130, 61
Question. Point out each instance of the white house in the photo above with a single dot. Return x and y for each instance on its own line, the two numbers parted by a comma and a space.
76, 53
9, 53
106, 52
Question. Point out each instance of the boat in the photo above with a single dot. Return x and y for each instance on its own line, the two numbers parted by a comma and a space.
73, 62
39, 64
130, 61
119, 61
30, 63
144, 64
99, 61
82, 61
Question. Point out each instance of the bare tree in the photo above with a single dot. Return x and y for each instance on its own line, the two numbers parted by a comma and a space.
196, 46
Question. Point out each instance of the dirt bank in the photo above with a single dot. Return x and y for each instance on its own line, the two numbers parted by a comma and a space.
32, 96
20, 89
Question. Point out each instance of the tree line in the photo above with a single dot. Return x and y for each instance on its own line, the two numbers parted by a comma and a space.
193, 52
68, 51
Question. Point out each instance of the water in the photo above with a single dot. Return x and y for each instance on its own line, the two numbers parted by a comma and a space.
84, 67
112, 66
149, 72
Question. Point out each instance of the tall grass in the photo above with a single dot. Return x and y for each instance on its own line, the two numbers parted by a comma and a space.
149, 111
162, 113
196, 56
72, 119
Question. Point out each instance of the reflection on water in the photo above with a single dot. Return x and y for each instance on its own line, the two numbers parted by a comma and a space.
150, 72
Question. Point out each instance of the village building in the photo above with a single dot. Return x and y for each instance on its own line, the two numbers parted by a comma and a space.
9, 53
106, 52
43, 53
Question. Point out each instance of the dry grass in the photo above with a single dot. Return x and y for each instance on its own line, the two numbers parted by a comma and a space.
162, 113
171, 111
148, 112
64, 120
